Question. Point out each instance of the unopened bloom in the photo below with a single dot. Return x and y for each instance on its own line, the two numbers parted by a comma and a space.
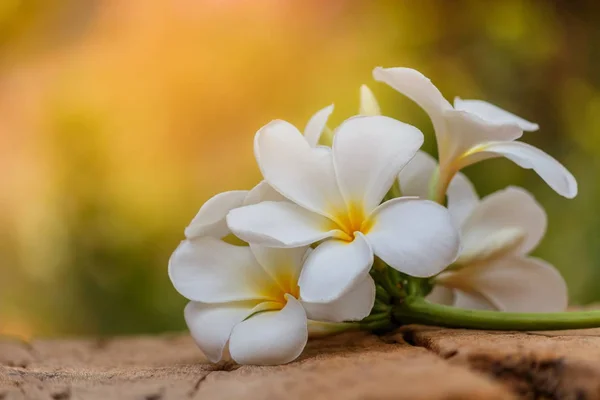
368, 103
334, 198
317, 132
493, 270
474, 130
248, 297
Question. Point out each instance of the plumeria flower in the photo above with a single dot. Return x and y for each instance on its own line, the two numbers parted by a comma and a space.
247, 297
334, 201
474, 130
494, 270
210, 219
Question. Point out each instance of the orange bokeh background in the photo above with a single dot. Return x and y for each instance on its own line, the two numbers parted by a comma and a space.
118, 119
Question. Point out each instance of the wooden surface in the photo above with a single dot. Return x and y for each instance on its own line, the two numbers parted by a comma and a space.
412, 363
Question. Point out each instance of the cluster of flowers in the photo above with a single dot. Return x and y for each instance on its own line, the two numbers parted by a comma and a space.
333, 203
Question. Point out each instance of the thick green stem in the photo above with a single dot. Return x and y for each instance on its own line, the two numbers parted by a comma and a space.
418, 310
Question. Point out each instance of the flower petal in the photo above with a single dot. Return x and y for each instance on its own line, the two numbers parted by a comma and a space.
333, 268
210, 324
441, 295
352, 306
271, 338
419, 89
472, 301
529, 157
316, 124
507, 221
212, 271
515, 284
262, 192
415, 177
416, 237
283, 265
493, 114
462, 198
467, 133
415, 180
368, 154
279, 224
210, 220
303, 174
368, 102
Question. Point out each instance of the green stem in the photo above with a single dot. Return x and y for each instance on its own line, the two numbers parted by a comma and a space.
418, 310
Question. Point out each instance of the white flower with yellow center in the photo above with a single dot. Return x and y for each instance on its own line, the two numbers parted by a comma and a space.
493, 270
248, 297
210, 219
334, 198
474, 130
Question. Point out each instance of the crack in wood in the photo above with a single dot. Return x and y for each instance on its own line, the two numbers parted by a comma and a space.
528, 375
198, 383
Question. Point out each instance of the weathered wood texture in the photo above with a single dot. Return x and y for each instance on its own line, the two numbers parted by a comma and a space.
413, 363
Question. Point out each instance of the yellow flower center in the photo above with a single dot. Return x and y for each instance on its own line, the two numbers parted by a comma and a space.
351, 220
286, 282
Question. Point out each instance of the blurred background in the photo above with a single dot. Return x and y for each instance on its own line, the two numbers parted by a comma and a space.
118, 119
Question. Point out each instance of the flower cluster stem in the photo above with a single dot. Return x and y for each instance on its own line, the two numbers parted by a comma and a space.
418, 310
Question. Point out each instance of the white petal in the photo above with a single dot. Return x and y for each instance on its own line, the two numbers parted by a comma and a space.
419, 89
303, 174
316, 125
467, 132
415, 177
368, 102
271, 338
472, 301
283, 265
441, 295
333, 268
517, 284
279, 224
415, 180
507, 221
368, 154
211, 324
493, 114
262, 192
210, 220
462, 198
212, 271
416, 237
529, 157
352, 306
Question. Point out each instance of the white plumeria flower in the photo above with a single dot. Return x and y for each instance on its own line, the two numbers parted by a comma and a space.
335, 197
248, 297
210, 219
493, 270
474, 130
